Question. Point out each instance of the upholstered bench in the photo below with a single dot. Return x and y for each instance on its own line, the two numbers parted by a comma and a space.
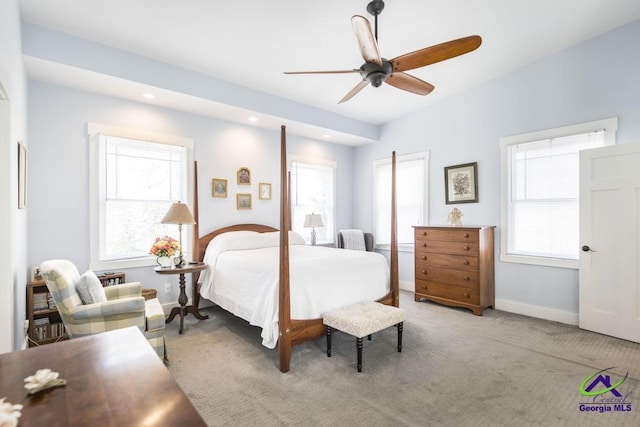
363, 319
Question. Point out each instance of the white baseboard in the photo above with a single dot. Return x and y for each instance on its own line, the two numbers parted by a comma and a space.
537, 311
406, 286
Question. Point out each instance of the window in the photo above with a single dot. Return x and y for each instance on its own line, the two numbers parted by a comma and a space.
312, 191
540, 188
411, 197
135, 178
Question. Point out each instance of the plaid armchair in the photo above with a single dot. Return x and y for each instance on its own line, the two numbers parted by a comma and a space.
124, 306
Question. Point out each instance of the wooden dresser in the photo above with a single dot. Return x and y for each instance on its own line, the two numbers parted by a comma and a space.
455, 266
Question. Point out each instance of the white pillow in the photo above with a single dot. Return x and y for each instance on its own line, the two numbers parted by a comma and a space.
90, 289
272, 238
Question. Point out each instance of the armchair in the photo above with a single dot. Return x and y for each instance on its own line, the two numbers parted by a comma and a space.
355, 239
116, 307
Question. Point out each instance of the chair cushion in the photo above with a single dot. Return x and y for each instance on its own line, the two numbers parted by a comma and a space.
90, 289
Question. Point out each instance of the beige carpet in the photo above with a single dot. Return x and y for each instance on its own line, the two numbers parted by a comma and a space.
456, 369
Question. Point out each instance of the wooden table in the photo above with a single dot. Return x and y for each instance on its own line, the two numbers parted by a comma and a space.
183, 310
113, 379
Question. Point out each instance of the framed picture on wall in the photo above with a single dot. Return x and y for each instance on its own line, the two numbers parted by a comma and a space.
219, 187
264, 191
244, 176
461, 183
243, 201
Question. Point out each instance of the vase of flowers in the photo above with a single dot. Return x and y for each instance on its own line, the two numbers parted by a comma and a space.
165, 248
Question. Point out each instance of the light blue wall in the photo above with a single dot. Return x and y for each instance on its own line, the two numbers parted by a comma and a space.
59, 156
594, 80
597, 79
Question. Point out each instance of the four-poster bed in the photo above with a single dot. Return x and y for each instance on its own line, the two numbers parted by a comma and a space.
292, 331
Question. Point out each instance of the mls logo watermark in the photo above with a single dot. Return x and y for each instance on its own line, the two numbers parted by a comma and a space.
604, 392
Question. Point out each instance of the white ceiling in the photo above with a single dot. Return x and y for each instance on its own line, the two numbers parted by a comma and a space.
251, 43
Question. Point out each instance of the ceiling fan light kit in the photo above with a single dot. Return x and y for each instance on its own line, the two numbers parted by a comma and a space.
377, 70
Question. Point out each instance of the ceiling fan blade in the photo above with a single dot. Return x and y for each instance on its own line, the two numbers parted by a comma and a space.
365, 39
353, 91
409, 83
323, 72
440, 52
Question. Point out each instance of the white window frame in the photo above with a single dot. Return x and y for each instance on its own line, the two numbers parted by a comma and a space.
423, 197
331, 235
608, 125
95, 131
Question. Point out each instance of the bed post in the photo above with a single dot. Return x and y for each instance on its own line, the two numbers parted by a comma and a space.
284, 309
394, 283
195, 246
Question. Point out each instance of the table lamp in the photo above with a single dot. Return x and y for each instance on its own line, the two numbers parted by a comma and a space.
312, 221
178, 213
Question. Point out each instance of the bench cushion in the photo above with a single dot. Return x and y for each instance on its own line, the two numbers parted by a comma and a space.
364, 318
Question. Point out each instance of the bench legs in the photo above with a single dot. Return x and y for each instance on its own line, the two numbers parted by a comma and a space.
399, 326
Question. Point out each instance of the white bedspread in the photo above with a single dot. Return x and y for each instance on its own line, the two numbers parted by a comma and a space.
244, 281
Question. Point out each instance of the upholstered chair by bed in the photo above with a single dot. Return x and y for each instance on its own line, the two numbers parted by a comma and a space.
356, 240
87, 308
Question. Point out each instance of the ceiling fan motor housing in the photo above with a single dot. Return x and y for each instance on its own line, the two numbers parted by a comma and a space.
376, 74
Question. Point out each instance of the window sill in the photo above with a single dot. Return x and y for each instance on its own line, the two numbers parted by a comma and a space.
122, 263
545, 262
401, 248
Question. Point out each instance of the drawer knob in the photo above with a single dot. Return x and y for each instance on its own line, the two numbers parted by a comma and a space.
424, 233
466, 262
424, 271
424, 287
424, 258
466, 235
467, 278
424, 245
466, 295
466, 248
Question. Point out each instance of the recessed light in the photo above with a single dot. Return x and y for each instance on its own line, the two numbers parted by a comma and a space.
253, 119
148, 95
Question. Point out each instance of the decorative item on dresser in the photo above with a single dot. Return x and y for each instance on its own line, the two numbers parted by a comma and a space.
455, 266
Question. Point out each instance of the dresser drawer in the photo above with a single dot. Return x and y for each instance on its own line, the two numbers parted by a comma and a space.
455, 293
452, 234
442, 260
451, 276
444, 247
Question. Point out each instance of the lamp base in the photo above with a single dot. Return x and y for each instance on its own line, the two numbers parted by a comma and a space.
313, 236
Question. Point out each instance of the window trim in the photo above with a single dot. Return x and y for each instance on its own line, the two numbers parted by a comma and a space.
95, 130
293, 158
425, 156
609, 125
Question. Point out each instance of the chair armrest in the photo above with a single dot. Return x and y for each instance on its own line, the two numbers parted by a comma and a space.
369, 242
109, 308
125, 290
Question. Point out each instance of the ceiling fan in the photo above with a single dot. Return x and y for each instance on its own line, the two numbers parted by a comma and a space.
377, 69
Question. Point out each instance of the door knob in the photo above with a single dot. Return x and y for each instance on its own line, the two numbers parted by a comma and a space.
586, 248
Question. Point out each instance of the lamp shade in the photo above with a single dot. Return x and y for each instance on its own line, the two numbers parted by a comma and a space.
178, 213
313, 220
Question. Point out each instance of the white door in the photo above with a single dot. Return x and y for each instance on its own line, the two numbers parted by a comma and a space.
610, 241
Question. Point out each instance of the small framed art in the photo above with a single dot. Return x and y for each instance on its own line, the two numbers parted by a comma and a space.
219, 187
243, 201
244, 176
461, 183
264, 191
